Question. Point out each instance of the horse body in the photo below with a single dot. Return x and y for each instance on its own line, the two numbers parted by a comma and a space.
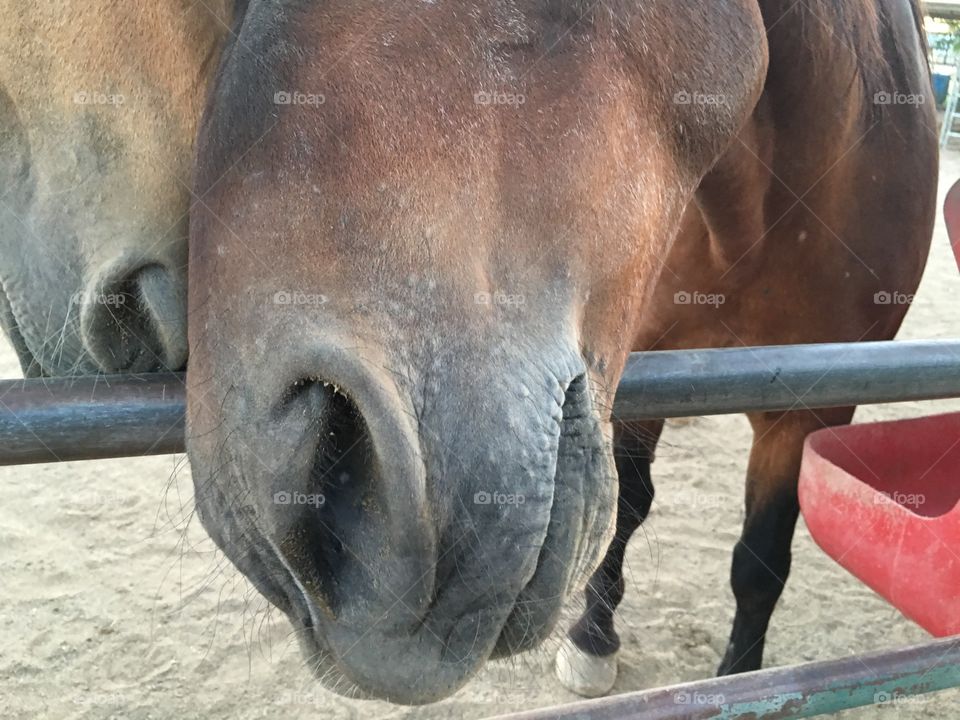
814, 227
99, 104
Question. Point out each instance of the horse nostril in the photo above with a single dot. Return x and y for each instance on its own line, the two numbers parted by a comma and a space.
326, 520
135, 321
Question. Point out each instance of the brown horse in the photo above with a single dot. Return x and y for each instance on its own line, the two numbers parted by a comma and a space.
814, 227
432, 234
99, 105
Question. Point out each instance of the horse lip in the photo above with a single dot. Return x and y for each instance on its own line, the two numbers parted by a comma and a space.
560, 565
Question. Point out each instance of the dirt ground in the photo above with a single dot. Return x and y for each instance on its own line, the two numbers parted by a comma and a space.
113, 604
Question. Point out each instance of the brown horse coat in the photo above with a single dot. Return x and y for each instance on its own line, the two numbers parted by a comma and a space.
99, 106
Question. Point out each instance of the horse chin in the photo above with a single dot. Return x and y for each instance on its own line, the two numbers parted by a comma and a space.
341, 679
325, 669
335, 678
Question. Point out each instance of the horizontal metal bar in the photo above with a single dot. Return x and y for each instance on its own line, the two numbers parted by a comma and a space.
85, 418
891, 678
684, 383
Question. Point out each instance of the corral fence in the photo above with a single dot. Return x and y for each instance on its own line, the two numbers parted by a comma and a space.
52, 420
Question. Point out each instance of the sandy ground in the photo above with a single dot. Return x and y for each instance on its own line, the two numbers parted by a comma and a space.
114, 605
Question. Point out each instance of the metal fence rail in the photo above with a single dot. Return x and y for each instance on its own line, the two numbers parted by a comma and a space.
889, 678
90, 418
686, 383
87, 418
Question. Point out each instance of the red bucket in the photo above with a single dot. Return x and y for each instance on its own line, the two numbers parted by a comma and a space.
881, 499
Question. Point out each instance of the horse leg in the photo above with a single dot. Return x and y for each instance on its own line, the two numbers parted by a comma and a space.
587, 660
761, 558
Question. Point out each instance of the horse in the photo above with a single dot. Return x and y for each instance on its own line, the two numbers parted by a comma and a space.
814, 227
432, 234
99, 104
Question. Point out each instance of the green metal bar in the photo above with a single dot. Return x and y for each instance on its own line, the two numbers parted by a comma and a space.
801, 691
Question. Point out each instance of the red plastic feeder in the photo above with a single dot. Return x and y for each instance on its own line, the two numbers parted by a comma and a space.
881, 500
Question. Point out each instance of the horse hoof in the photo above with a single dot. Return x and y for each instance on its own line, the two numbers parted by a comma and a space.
585, 674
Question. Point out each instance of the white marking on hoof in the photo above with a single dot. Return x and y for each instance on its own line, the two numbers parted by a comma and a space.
585, 674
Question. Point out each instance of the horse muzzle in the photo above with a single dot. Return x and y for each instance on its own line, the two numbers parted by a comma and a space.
412, 531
